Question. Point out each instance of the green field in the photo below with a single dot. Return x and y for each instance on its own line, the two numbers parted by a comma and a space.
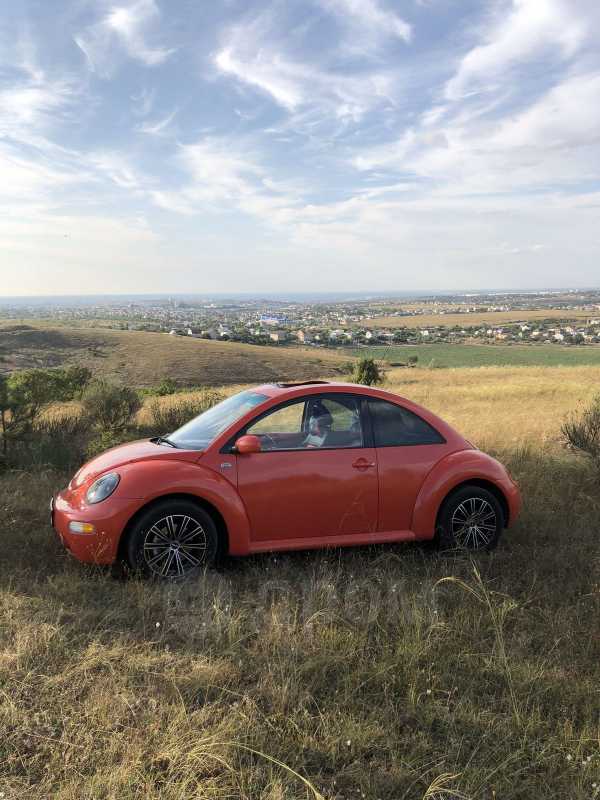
472, 355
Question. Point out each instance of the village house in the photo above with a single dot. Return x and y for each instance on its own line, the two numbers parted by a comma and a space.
280, 335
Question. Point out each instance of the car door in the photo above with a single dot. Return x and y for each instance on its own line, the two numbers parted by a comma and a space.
314, 477
407, 449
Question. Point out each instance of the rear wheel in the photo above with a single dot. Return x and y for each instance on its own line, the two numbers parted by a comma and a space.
470, 518
172, 541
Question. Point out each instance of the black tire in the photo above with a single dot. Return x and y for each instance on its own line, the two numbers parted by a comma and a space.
173, 540
471, 518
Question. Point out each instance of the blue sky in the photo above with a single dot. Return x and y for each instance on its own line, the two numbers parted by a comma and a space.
194, 146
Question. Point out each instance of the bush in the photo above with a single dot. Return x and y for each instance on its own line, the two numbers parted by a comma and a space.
368, 372
26, 395
582, 432
54, 441
28, 392
166, 387
106, 439
108, 406
168, 416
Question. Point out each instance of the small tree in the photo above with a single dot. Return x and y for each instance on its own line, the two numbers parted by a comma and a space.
30, 391
368, 372
110, 407
24, 398
581, 432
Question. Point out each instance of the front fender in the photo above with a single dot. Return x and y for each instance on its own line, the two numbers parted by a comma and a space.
147, 482
453, 470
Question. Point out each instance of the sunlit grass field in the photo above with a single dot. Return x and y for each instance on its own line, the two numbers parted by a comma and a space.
496, 355
384, 672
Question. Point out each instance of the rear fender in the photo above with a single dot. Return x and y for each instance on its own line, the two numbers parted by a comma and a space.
453, 470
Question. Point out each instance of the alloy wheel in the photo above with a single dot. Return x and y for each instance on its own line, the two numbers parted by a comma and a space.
174, 546
474, 523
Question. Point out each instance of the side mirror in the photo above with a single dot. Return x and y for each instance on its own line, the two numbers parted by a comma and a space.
247, 444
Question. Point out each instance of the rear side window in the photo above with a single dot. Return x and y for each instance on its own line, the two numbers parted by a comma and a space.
395, 426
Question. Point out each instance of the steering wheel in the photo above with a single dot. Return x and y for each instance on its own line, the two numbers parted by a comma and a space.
271, 443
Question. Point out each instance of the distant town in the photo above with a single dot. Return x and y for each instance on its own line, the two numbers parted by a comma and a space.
569, 317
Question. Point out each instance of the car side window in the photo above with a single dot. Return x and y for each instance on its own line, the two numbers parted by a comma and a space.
310, 423
283, 420
334, 421
395, 426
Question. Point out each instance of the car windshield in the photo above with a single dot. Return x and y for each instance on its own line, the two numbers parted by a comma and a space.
199, 432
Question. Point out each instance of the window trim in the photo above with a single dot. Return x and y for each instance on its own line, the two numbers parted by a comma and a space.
365, 421
442, 439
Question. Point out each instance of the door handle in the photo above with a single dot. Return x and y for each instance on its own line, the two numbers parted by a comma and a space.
362, 463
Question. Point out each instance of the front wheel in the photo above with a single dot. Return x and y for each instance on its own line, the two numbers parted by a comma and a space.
470, 518
173, 540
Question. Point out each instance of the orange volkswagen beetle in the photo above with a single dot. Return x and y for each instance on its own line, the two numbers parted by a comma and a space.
285, 467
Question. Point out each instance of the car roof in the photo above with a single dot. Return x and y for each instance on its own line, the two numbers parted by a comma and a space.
299, 388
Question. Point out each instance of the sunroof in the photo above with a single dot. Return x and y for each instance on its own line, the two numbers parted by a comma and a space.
299, 383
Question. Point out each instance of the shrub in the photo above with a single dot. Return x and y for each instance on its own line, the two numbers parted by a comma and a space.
26, 395
581, 432
29, 391
368, 372
105, 439
166, 387
54, 441
110, 407
168, 416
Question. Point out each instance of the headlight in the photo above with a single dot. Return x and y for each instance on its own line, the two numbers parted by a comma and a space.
102, 488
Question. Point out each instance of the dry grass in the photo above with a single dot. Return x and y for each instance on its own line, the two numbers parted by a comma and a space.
494, 318
500, 407
340, 674
144, 359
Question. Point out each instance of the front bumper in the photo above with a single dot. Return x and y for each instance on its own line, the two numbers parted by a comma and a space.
109, 519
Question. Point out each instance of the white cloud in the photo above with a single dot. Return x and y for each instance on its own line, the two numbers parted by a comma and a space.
567, 117
143, 103
531, 29
268, 72
158, 127
129, 27
260, 53
221, 175
117, 168
371, 18
296, 85
29, 108
555, 141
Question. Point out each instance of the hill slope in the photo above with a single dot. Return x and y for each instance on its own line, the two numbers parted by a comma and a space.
143, 359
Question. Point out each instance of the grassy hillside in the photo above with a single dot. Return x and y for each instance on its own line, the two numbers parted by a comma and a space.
473, 355
483, 318
327, 674
143, 359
